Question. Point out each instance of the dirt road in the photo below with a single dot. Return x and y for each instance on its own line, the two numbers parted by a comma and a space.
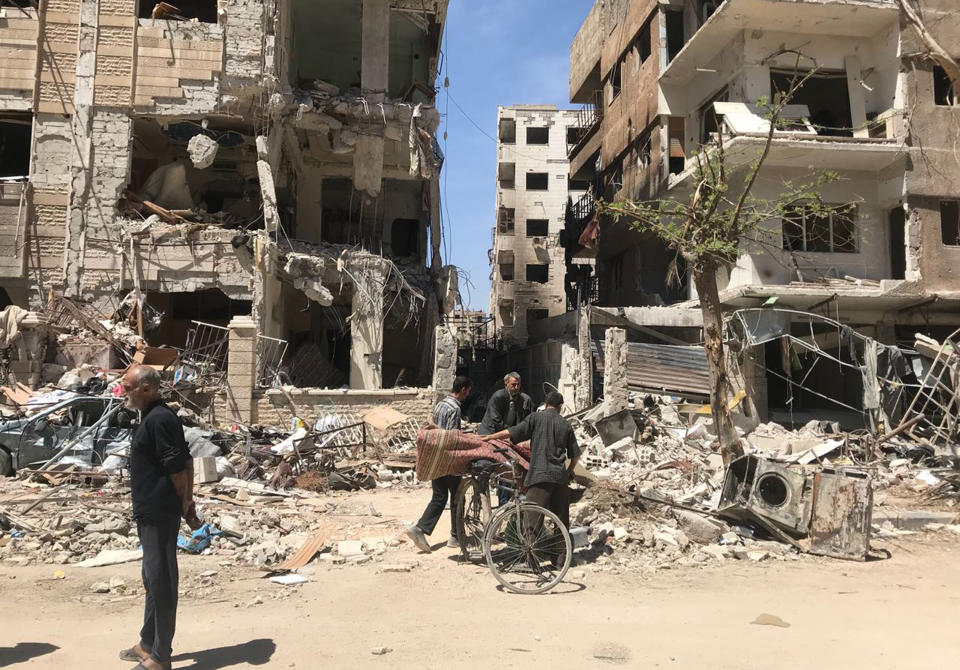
894, 613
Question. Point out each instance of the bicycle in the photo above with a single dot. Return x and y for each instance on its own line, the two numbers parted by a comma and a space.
526, 546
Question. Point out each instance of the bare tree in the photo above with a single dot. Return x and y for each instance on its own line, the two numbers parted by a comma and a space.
935, 50
708, 228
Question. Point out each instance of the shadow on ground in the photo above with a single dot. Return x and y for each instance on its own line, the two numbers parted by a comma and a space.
254, 652
24, 651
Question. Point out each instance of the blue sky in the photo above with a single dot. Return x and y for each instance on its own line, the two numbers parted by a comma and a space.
496, 52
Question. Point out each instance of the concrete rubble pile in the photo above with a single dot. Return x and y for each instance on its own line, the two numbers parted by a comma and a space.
662, 496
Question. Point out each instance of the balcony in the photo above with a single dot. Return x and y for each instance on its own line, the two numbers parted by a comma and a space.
589, 117
851, 18
871, 149
578, 217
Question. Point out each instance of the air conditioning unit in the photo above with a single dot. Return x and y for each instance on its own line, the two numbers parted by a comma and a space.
708, 9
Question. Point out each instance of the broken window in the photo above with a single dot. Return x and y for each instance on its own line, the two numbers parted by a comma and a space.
204, 11
709, 123
538, 273
643, 45
506, 270
615, 80
675, 34
326, 43
826, 96
827, 229
537, 181
538, 135
950, 222
15, 131
508, 131
537, 313
615, 176
943, 93
574, 133
505, 220
506, 312
577, 184
643, 151
678, 158
507, 173
537, 227
405, 237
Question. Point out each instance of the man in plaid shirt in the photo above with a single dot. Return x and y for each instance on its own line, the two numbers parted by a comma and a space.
446, 415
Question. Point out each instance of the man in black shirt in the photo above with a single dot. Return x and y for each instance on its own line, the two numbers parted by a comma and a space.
161, 484
552, 443
507, 407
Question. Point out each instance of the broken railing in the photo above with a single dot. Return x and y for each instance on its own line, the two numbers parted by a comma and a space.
270, 354
934, 412
204, 358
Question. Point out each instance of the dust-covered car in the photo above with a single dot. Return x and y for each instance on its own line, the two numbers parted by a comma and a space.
36, 439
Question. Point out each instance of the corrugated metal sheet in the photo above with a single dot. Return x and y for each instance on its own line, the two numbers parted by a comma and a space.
666, 368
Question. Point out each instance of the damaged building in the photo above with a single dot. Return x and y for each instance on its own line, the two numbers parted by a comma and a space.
529, 271
259, 173
659, 80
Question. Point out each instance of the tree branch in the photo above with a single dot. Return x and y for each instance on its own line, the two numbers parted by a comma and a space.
936, 52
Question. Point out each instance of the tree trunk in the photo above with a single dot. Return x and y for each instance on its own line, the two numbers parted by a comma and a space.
941, 56
705, 279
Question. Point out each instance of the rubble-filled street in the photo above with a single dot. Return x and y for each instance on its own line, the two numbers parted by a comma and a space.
697, 615
462, 334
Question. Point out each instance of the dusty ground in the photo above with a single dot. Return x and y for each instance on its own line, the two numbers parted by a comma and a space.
893, 613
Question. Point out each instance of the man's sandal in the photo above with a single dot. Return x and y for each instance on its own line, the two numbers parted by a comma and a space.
132, 655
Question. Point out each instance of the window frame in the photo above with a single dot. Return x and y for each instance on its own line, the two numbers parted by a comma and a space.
546, 141
943, 236
546, 227
546, 278
850, 214
526, 181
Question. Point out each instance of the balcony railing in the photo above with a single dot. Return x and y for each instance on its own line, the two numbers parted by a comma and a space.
589, 117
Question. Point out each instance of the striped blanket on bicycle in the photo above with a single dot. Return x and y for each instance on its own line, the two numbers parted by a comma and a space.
449, 452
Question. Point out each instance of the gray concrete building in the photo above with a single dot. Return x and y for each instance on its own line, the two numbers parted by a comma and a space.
533, 192
268, 167
659, 79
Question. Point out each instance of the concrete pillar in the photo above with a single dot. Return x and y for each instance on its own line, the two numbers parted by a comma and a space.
74, 252
584, 393
445, 361
755, 381
615, 391
242, 368
374, 79
366, 326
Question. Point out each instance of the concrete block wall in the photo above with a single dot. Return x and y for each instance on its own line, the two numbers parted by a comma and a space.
245, 44
18, 46
533, 204
58, 57
178, 66
273, 408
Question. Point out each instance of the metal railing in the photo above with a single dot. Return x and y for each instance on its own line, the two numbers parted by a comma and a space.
204, 358
270, 353
589, 117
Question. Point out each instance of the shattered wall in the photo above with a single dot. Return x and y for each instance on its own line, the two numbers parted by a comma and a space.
119, 97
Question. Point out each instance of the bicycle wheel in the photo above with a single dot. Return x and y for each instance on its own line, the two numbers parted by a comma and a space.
527, 548
473, 513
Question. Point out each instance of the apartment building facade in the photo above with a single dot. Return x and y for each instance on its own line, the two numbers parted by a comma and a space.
529, 271
659, 80
662, 78
286, 153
